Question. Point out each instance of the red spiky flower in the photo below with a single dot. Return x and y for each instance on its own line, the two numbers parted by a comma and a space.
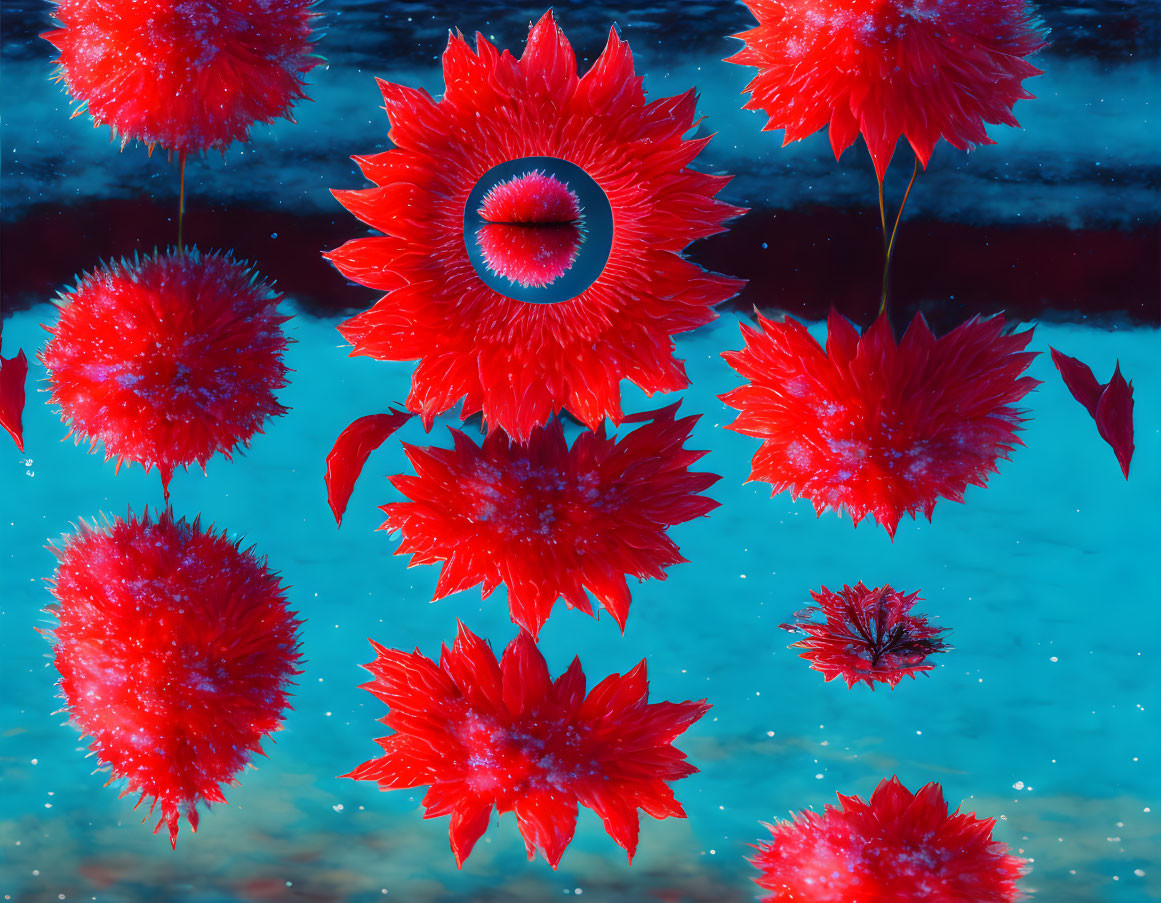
899, 847
175, 650
484, 735
919, 69
168, 359
867, 635
874, 426
549, 521
187, 76
520, 362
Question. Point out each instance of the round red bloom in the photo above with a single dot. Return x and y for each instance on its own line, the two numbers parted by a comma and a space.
168, 359
874, 426
189, 75
549, 521
535, 256
517, 361
921, 69
898, 848
866, 634
175, 649
535, 198
484, 735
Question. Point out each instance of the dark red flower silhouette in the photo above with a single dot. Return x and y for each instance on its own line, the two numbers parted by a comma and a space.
897, 848
1110, 405
350, 452
520, 362
919, 69
549, 521
483, 735
874, 426
13, 371
168, 359
189, 75
175, 650
867, 635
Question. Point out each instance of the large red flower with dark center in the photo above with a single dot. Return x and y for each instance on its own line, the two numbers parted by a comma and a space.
920, 69
899, 847
866, 634
175, 650
484, 735
168, 359
520, 362
189, 75
549, 521
874, 426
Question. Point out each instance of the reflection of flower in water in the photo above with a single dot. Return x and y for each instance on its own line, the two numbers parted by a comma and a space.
175, 650
187, 76
874, 426
168, 359
898, 847
519, 363
549, 521
530, 256
866, 635
486, 735
921, 69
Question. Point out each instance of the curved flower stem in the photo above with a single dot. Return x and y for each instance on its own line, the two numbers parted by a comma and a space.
890, 243
180, 210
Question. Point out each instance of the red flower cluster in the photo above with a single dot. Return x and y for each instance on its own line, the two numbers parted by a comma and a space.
549, 521
899, 847
920, 69
486, 735
189, 75
175, 649
874, 426
867, 635
168, 359
519, 362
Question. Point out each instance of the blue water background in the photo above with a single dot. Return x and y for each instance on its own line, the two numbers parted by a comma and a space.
1045, 715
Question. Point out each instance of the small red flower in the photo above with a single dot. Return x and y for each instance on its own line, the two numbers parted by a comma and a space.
532, 199
1110, 405
168, 359
920, 69
897, 848
866, 635
13, 371
874, 426
549, 521
189, 75
483, 735
516, 361
529, 256
175, 650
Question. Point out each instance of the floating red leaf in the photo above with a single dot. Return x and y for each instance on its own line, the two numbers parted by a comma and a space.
13, 371
350, 452
1110, 405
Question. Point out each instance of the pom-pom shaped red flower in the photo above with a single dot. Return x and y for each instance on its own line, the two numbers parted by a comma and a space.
520, 362
549, 521
878, 427
168, 359
867, 635
187, 76
175, 650
899, 847
484, 735
919, 69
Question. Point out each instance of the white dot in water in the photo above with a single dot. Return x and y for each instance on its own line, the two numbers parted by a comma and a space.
1054, 659
1019, 785
338, 807
1140, 873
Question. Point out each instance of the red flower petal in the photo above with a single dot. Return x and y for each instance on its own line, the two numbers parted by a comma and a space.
13, 371
549, 521
486, 735
875, 427
189, 75
175, 650
898, 847
1110, 405
889, 69
517, 362
350, 452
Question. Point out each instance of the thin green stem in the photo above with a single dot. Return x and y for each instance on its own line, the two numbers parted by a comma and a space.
894, 230
181, 203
